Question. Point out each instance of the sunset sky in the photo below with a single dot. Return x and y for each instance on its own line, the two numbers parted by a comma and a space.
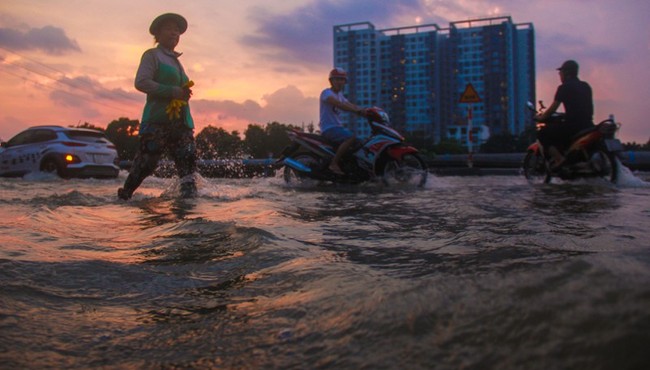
67, 62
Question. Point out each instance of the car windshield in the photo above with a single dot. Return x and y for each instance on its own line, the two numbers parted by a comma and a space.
88, 136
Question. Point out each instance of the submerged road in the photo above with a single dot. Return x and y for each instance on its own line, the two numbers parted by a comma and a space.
443, 164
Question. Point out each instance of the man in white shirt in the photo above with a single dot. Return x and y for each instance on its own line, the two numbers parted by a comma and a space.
332, 102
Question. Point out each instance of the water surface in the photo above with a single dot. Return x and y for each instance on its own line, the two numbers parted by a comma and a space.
469, 272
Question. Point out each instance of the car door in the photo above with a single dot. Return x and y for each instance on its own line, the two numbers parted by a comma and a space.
38, 142
11, 163
24, 151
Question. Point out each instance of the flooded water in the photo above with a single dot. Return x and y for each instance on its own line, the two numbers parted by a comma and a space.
468, 273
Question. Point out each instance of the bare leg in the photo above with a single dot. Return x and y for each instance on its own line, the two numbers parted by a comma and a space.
143, 166
557, 157
343, 148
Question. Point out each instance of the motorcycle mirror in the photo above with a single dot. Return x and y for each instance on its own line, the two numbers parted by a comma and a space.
531, 105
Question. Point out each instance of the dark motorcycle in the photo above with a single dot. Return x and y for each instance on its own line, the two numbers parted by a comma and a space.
383, 155
593, 152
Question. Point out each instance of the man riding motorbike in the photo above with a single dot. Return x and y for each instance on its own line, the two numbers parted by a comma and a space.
576, 96
332, 102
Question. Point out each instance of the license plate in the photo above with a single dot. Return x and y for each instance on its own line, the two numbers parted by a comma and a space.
613, 145
99, 158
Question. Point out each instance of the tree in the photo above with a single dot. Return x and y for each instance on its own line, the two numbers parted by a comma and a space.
254, 141
449, 146
262, 142
277, 137
633, 146
500, 143
123, 132
215, 142
90, 126
422, 141
527, 137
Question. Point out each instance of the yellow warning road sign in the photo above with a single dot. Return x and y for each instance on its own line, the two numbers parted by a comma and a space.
469, 95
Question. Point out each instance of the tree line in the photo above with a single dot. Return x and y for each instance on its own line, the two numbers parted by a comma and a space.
268, 141
211, 143
497, 143
508, 143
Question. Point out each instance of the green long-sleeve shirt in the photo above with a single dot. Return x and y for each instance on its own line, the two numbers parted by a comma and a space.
161, 76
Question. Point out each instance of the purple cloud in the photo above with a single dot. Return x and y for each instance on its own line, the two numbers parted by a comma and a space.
49, 39
305, 34
286, 105
553, 49
91, 97
93, 90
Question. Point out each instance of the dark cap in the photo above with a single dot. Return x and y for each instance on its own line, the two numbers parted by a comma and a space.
178, 19
570, 66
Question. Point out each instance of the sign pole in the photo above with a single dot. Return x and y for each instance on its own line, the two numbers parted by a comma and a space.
468, 97
469, 127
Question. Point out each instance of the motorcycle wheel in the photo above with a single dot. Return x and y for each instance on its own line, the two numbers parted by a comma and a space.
293, 177
535, 168
605, 165
411, 169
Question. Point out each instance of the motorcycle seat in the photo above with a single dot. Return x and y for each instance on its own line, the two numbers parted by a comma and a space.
583, 132
313, 136
317, 137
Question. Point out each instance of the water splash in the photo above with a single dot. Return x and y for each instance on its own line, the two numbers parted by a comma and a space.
627, 179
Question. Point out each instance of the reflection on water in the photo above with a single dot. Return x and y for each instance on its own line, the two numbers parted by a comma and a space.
469, 272
575, 199
162, 211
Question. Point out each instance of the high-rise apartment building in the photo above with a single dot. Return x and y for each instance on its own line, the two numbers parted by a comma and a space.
418, 74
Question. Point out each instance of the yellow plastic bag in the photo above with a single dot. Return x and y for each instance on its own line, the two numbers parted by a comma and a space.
173, 109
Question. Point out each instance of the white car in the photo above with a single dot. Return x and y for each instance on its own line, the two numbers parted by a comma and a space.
68, 152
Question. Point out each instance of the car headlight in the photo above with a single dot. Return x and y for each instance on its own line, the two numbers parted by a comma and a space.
71, 159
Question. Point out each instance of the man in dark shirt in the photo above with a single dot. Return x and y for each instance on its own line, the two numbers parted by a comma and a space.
576, 96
